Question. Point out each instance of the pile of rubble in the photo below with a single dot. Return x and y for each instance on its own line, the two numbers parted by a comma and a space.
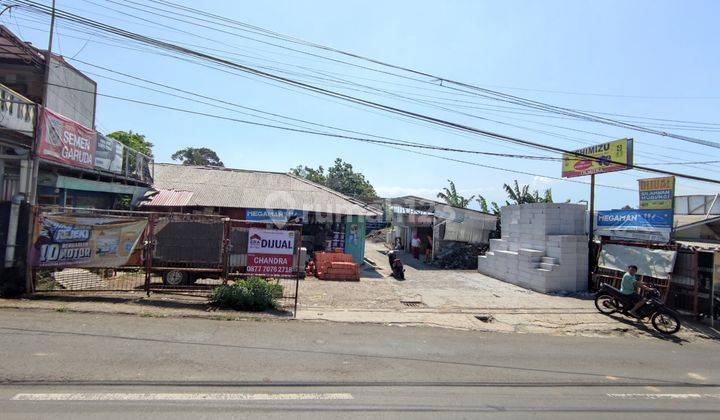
379, 235
459, 255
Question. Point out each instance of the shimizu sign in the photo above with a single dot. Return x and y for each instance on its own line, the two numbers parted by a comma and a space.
657, 193
616, 155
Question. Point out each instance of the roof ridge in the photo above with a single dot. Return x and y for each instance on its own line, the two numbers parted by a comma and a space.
330, 190
220, 168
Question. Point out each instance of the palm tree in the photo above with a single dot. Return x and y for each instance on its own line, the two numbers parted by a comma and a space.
451, 196
516, 195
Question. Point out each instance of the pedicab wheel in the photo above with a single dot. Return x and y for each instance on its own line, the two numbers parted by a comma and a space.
665, 322
605, 303
175, 278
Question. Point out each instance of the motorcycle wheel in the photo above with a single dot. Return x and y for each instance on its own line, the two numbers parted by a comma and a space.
665, 322
606, 304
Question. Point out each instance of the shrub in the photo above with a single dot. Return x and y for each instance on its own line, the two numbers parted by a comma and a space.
249, 294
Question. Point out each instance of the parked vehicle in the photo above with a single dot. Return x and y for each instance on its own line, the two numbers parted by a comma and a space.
398, 270
609, 300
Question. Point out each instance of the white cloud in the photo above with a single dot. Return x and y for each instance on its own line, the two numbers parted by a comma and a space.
431, 193
543, 182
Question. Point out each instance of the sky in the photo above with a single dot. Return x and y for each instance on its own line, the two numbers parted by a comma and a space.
655, 59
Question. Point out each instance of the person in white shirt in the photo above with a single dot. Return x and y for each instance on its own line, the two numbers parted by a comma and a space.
415, 245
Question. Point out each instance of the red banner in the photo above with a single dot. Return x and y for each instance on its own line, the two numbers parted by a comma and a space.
65, 141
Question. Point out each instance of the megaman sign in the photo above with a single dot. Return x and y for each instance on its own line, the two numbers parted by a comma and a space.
650, 225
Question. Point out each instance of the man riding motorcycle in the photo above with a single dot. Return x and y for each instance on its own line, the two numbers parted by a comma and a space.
628, 287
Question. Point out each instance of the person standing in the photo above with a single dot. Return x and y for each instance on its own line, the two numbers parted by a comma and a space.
428, 250
415, 246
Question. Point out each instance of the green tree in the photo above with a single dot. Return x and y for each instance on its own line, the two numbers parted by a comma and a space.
136, 141
517, 195
311, 174
201, 156
451, 196
340, 177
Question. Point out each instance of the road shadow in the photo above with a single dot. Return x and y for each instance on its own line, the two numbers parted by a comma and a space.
159, 300
648, 330
701, 329
409, 261
371, 271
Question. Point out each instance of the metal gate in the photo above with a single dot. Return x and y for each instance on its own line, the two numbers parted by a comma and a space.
91, 250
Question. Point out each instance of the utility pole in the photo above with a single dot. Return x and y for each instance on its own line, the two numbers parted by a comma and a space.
32, 190
591, 231
46, 79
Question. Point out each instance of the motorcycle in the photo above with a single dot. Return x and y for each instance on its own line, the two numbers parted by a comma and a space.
609, 300
398, 270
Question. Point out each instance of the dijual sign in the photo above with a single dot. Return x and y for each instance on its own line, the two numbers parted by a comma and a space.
657, 193
616, 155
270, 252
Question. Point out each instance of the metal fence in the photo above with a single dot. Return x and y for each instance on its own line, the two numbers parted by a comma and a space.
174, 253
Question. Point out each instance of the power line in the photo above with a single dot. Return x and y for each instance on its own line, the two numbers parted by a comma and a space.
443, 81
196, 94
365, 140
410, 114
521, 127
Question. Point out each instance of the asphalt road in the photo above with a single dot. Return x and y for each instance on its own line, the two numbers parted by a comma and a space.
68, 365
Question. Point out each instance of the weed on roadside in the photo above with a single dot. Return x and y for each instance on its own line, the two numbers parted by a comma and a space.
152, 315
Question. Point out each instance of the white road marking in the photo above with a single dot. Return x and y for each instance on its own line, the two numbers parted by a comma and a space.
697, 376
663, 396
112, 396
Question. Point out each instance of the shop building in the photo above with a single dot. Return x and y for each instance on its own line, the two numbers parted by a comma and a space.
50, 153
437, 224
330, 219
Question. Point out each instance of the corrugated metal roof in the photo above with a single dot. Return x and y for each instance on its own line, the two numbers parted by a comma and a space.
237, 188
169, 198
682, 220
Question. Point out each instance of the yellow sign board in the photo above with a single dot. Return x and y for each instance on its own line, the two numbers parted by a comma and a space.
616, 155
657, 193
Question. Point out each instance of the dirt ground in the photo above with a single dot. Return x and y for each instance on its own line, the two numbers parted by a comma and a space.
456, 298
460, 299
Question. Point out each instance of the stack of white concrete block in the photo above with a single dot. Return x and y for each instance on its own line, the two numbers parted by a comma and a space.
543, 247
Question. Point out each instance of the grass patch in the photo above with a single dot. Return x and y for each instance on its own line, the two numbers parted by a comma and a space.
152, 315
62, 308
249, 294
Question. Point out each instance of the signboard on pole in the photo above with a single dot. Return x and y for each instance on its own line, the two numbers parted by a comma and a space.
657, 193
62, 140
646, 225
270, 252
616, 155
66, 241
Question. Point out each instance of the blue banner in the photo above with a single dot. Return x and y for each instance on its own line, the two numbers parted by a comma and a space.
655, 225
274, 215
